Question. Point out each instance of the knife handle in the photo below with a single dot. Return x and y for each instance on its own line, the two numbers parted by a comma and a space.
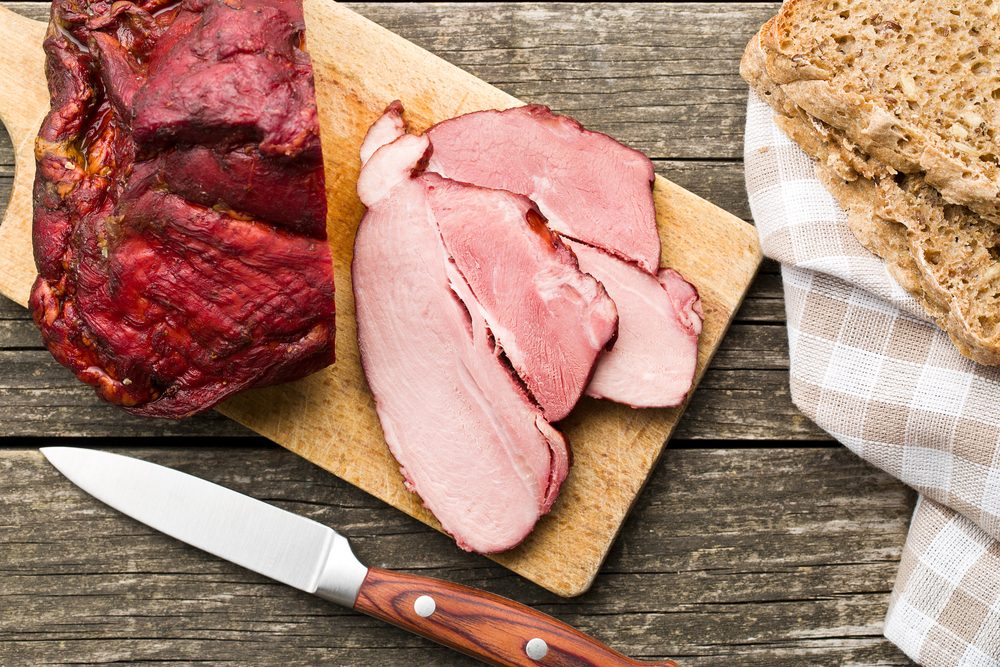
485, 626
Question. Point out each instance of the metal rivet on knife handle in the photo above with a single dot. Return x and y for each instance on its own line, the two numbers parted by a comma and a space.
493, 629
536, 648
424, 606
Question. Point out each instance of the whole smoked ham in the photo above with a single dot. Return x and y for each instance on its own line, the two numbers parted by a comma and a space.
180, 213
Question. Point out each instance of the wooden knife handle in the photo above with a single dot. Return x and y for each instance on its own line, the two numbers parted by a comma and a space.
488, 627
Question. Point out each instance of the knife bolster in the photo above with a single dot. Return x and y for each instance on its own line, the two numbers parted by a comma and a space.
342, 574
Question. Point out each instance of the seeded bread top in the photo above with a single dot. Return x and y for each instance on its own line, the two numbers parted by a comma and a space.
915, 84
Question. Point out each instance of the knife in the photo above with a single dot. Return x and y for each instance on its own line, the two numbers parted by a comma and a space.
309, 556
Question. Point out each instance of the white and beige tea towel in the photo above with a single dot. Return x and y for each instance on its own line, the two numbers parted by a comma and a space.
873, 371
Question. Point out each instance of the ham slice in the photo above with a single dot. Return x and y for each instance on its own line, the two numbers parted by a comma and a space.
550, 320
468, 438
590, 187
596, 193
389, 127
653, 361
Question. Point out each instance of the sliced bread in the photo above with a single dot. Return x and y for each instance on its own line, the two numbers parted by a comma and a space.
817, 138
943, 254
916, 84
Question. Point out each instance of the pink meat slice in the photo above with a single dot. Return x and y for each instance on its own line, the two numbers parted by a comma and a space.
468, 439
550, 319
558, 164
596, 193
653, 361
389, 126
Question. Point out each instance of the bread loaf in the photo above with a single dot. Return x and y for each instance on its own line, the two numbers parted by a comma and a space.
944, 254
916, 85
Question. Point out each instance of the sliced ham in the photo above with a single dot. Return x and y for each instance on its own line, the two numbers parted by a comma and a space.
468, 438
595, 192
550, 319
385, 130
653, 361
590, 187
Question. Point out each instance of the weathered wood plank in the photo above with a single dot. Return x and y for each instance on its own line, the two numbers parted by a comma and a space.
720, 182
746, 405
744, 395
765, 303
641, 72
777, 557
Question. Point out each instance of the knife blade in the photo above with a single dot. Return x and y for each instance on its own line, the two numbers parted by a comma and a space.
316, 559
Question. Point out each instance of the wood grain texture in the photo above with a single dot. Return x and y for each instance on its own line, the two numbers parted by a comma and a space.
660, 76
482, 625
329, 417
773, 557
24, 101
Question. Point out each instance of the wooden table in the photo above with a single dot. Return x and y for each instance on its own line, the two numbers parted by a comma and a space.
757, 541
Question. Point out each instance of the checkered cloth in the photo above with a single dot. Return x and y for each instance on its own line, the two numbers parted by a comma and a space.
873, 371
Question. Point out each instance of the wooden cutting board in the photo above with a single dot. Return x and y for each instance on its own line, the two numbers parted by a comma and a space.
329, 418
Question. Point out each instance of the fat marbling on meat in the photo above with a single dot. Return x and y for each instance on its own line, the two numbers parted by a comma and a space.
180, 213
468, 437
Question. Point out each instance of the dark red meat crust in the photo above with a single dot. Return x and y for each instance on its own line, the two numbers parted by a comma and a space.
180, 214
